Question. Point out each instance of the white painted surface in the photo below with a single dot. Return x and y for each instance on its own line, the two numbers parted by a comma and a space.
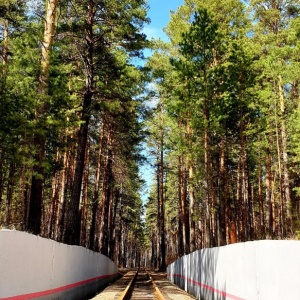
31, 264
264, 270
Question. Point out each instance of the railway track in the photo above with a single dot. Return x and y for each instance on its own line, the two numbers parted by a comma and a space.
136, 285
141, 287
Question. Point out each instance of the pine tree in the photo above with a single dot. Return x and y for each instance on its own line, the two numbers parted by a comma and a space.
103, 26
272, 29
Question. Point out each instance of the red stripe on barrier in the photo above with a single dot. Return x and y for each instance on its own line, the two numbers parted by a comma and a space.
56, 290
208, 287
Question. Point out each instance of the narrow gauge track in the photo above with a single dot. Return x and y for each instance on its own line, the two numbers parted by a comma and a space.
141, 287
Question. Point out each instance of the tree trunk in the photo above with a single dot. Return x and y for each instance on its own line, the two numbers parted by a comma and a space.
36, 192
96, 215
106, 196
281, 207
113, 230
37, 183
191, 195
54, 204
161, 199
223, 196
68, 175
286, 180
119, 262
192, 208
154, 254
84, 205
244, 186
110, 223
72, 229
5, 45
182, 204
1, 177
208, 233
9, 194
295, 87
262, 229
270, 196
61, 197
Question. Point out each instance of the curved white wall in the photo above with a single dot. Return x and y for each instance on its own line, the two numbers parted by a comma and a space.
265, 270
34, 267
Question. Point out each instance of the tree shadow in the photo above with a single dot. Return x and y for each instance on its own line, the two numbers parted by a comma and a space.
196, 274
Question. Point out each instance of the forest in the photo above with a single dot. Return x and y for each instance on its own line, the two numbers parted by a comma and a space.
215, 112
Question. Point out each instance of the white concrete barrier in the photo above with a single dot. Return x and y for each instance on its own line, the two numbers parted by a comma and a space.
265, 270
32, 267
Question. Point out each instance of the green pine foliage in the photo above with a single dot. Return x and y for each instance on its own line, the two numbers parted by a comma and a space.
116, 108
229, 82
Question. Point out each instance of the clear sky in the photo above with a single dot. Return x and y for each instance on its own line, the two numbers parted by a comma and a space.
159, 13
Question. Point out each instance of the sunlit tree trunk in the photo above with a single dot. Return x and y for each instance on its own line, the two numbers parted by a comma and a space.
262, 229
192, 209
111, 219
281, 203
233, 210
245, 219
286, 180
161, 203
96, 215
270, 196
113, 230
208, 204
68, 174
61, 199
223, 195
181, 218
107, 189
183, 206
84, 204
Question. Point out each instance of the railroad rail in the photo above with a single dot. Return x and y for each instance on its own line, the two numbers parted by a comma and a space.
141, 285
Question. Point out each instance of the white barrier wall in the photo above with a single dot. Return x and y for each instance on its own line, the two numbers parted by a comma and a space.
34, 267
265, 270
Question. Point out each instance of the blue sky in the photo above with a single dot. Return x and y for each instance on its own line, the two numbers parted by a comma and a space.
159, 13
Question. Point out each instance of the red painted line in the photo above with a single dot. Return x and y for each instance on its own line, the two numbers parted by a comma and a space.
208, 287
56, 290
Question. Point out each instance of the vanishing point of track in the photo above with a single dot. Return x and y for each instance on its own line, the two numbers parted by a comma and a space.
141, 287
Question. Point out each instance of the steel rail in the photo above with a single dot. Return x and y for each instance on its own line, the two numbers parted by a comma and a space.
157, 292
125, 292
